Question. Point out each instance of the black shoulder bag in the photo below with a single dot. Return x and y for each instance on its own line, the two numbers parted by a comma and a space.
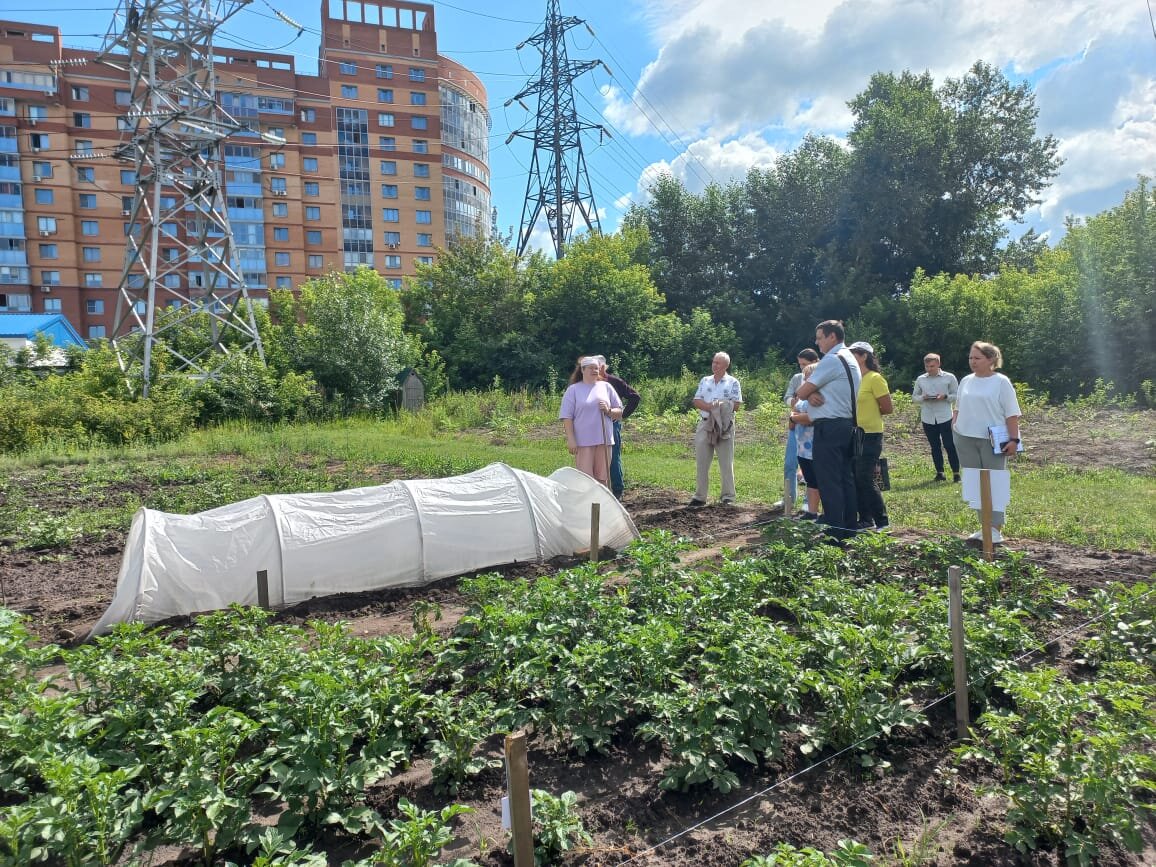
857, 433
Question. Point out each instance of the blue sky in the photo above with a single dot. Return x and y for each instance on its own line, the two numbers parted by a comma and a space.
705, 89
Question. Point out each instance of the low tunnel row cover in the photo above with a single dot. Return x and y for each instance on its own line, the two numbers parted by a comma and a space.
406, 533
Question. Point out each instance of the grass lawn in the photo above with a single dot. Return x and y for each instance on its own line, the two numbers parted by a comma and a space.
1101, 508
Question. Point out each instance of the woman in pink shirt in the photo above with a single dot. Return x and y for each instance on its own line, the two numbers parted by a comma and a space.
590, 407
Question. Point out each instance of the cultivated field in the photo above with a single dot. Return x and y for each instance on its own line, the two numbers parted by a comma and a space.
705, 700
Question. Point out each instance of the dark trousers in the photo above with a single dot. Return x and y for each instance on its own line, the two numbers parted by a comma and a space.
868, 497
831, 457
941, 433
617, 483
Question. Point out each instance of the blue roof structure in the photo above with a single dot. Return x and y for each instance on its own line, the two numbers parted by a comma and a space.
28, 325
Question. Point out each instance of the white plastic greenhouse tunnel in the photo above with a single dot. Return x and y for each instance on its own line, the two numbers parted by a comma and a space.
404, 534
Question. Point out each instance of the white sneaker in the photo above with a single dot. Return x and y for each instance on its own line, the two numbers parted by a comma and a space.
996, 536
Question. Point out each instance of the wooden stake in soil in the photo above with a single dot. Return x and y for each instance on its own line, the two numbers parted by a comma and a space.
985, 513
595, 514
518, 786
958, 651
263, 589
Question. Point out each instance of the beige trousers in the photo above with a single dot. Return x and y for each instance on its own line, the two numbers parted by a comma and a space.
703, 453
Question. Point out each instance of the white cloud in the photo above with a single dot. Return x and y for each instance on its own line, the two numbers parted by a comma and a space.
730, 73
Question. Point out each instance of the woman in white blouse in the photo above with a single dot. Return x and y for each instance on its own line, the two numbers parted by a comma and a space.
985, 399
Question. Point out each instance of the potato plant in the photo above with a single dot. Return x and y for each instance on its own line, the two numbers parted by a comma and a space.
179, 736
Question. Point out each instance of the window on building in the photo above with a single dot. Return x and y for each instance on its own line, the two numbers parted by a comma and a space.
123, 124
86, 201
123, 97
417, 97
422, 194
308, 138
172, 281
389, 191
82, 119
93, 279
384, 70
309, 164
347, 67
278, 185
420, 146
385, 94
94, 306
95, 332
389, 167
49, 278
90, 254
424, 260
423, 217
126, 205
281, 260
46, 224
416, 73
312, 188
316, 261
393, 262
276, 161
79, 94
349, 91
390, 215
36, 112
385, 118
89, 227
39, 141
280, 233
280, 209
84, 146
85, 174
128, 176
387, 142
49, 251
284, 282
43, 196
42, 170
313, 237
393, 283
312, 212
393, 239
309, 115
424, 239
419, 121
421, 170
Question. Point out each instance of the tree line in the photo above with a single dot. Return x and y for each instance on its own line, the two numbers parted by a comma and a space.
900, 231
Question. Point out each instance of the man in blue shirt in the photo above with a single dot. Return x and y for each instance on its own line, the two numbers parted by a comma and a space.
832, 391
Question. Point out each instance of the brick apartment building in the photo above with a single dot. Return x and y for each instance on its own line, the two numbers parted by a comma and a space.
385, 157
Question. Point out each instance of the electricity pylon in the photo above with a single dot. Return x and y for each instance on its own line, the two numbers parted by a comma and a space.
179, 251
558, 185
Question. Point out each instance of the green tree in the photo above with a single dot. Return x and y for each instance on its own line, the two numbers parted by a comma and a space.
345, 329
474, 308
1115, 256
598, 299
934, 175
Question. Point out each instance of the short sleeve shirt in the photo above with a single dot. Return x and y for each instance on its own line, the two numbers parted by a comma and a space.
830, 377
710, 390
580, 404
873, 387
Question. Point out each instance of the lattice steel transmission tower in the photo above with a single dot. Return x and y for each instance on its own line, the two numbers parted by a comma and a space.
558, 185
180, 261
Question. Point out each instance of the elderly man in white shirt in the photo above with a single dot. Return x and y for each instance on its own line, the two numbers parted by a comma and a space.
718, 395
935, 392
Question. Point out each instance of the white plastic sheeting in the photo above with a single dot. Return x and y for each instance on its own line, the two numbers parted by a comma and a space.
405, 533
